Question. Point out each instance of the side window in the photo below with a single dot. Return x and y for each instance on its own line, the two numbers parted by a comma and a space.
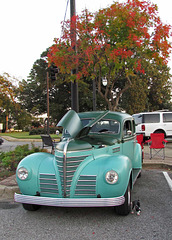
167, 117
127, 128
151, 118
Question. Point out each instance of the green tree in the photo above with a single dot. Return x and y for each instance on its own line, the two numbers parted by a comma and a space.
114, 42
148, 92
33, 91
9, 105
160, 88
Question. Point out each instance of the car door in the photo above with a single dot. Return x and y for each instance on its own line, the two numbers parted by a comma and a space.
128, 139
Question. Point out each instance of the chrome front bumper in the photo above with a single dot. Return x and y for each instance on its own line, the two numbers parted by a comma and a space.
69, 202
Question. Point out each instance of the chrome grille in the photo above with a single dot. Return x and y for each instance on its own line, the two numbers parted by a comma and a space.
86, 186
72, 163
48, 184
116, 149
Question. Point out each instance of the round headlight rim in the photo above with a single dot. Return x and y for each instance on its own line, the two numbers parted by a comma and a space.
26, 173
116, 177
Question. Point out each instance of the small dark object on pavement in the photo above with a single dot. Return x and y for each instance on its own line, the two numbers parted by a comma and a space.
135, 206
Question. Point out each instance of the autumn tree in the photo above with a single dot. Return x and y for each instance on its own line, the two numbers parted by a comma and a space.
33, 92
113, 43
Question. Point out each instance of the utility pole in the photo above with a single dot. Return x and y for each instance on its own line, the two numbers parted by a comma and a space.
94, 95
48, 113
74, 85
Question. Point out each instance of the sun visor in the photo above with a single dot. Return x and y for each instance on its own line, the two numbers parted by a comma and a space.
71, 122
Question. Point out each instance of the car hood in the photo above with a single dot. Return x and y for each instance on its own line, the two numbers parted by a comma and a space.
72, 123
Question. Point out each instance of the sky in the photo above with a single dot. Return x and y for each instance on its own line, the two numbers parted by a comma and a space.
28, 27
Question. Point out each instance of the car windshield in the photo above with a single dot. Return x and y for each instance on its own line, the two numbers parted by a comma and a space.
106, 126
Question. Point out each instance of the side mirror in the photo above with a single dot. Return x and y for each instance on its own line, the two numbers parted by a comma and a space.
129, 132
57, 132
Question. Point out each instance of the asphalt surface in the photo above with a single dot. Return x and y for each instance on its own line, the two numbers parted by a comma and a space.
10, 144
54, 223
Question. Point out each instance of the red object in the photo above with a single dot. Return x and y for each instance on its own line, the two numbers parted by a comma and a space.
140, 140
157, 142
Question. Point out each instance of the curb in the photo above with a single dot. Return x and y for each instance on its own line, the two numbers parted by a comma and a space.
7, 192
11, 139
162, 166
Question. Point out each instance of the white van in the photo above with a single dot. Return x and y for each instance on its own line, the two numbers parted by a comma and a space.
154, 122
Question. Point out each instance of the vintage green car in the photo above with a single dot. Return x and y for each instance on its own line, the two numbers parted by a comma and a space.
95, 164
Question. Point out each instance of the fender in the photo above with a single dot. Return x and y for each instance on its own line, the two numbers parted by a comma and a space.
99, 167
32, 163
137, 163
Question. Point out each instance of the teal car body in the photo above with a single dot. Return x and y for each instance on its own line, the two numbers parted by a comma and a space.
95, 164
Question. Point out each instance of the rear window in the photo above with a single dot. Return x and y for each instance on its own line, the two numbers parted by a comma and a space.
151, 118
167, 117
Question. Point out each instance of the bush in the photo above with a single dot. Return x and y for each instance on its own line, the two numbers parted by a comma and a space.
11, 159
39, 131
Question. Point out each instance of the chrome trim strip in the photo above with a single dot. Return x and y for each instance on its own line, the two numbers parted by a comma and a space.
64, 165
43, 189
85, 180
69, 202
49, 179
80, 185
47, 174
136, 177
76, 161
74, 166
81, 156
85, 194
71, 171
84, 190
85, 150
116, 149
66, 177
50, 193
88, 175
53, 184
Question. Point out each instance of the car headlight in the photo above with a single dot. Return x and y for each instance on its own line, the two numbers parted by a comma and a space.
22, 173
111, 177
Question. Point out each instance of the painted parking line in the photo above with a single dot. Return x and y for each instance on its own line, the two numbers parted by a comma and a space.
169, 181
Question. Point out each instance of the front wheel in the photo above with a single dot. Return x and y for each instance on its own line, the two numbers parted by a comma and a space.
30, 207
125, 208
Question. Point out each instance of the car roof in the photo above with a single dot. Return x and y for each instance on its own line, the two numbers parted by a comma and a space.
119, 116
155, 112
